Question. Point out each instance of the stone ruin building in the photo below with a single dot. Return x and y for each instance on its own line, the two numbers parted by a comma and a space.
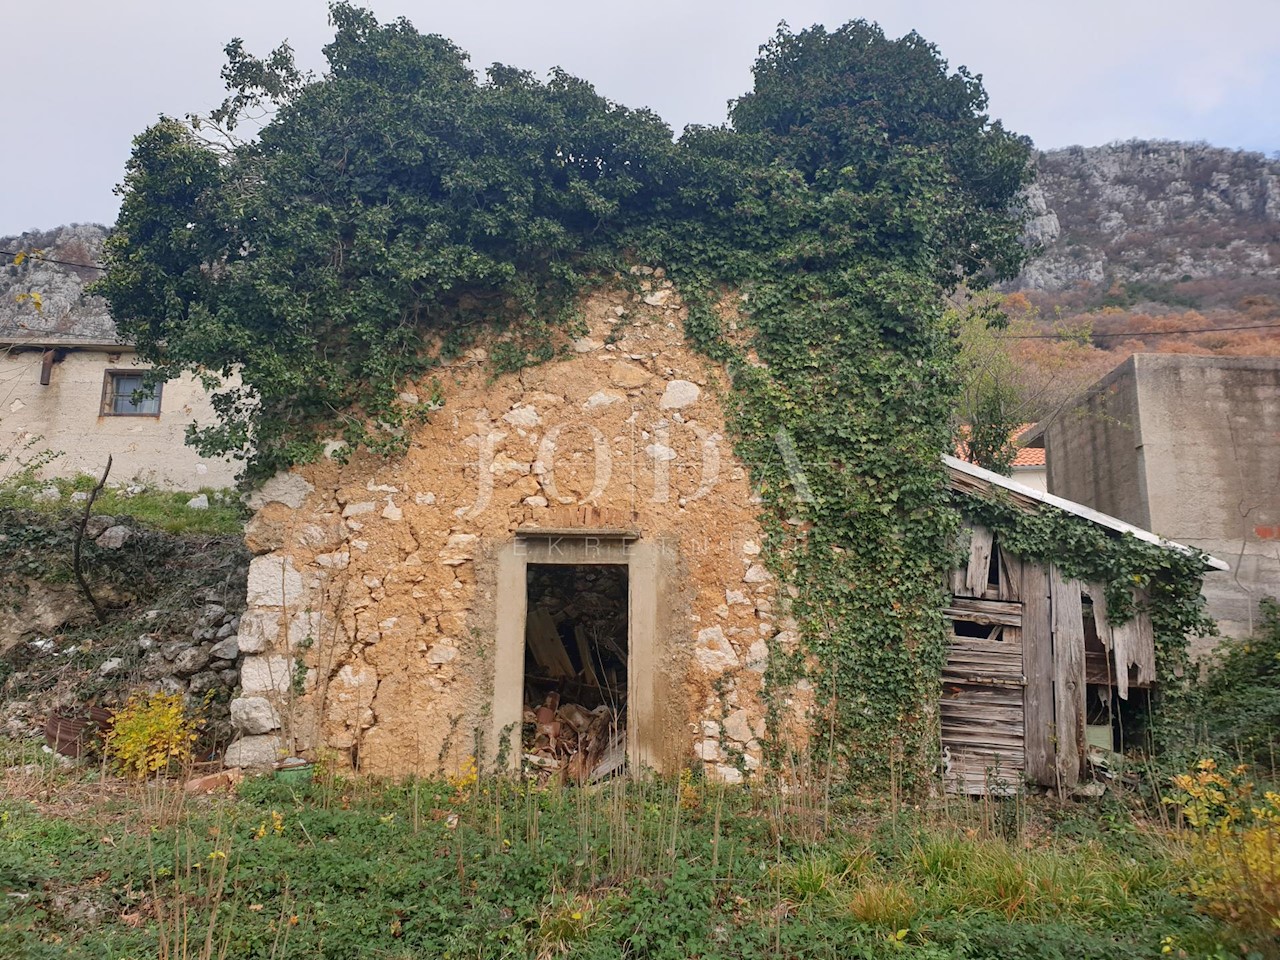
563, 570
564, 575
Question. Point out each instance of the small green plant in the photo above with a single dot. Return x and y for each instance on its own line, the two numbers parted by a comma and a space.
151, 732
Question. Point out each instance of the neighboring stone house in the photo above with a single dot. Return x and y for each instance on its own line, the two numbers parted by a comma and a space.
1189, 447
571, 554
69, 387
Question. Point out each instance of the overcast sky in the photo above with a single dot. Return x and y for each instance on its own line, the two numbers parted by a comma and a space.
82, 77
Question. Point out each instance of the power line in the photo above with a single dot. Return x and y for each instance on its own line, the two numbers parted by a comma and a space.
1026, 336
1141, 333
66, 263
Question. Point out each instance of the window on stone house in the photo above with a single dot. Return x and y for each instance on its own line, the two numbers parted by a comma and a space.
124, 395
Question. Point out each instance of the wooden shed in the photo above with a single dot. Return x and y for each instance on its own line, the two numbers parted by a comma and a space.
1034, 670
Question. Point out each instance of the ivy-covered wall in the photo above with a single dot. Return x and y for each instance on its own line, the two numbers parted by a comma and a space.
397, 204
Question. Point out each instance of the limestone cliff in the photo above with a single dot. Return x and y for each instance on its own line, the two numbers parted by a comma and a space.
64, 311
1153, 212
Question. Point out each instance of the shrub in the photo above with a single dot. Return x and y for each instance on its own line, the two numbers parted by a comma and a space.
1242, 691
150, 732
1235, 852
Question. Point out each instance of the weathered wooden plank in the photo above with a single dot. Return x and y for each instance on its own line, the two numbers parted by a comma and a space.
1143, 652
1010, 754
979, 706
1118, 677
985, 611
1098, 596
979, 692
1122, 641
960, 728
978, 645
1010, 575
1008, 666
1068, 676
975, 772
1133, 645
982, 716
979, 562
1037, 667
544, 641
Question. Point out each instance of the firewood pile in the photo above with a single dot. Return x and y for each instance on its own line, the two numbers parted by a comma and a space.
575, 676
572, 742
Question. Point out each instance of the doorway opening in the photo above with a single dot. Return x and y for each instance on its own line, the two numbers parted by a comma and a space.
576, 662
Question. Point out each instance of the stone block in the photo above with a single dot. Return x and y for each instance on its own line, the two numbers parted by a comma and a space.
602, 398
737, 726
227, 649
191, 661
287, 488
172, 648
255, 752
254, 715
113, 538
522, 415
259, 629
265, 674
679, 394
727, 774
273, 582
713, 650
628, 375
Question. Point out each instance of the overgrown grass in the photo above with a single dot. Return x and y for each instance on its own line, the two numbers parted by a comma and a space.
643, 869
165, 510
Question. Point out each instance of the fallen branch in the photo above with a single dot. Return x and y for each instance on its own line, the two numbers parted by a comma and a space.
75, 550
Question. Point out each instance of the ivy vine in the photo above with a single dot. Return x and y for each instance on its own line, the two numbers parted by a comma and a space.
398, 204
1169, 578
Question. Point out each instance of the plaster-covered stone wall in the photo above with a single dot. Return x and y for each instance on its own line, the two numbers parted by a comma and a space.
374, 604
65, 417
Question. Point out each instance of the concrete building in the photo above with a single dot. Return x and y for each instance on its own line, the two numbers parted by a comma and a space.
1187, 447
70, 389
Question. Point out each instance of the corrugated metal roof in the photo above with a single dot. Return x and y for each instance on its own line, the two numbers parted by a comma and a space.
1024, 492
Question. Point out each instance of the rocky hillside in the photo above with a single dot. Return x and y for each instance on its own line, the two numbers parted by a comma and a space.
1155, 213
59, 309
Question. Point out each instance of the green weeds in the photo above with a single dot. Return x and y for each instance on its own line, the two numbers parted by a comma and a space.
495, 868
165, 510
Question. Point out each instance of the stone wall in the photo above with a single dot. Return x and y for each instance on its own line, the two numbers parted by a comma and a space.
373, 601
174, 605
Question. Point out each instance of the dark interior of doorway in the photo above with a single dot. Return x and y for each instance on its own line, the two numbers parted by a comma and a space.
575, 668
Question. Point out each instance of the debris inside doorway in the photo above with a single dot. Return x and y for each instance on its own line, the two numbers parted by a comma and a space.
575, 672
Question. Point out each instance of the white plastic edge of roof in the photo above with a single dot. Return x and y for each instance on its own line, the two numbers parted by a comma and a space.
1070, 506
